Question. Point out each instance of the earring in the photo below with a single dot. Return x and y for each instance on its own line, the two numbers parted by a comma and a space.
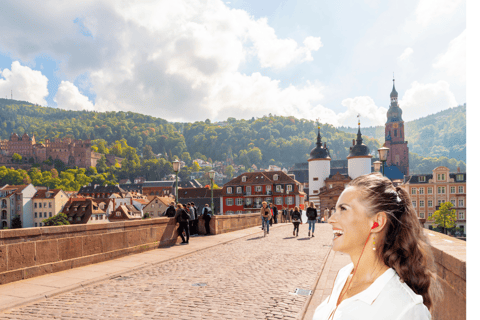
374, 242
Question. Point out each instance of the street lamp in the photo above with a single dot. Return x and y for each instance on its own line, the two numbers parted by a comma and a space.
176, 169
211, 174
377, 165
383, 153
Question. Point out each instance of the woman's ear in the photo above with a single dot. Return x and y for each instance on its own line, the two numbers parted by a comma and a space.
381, 220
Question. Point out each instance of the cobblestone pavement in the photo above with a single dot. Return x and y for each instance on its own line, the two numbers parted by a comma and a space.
249, 278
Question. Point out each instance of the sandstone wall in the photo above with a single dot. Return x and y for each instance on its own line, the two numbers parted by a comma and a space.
31, 252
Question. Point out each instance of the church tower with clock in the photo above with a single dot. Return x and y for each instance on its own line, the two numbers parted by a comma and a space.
395, 135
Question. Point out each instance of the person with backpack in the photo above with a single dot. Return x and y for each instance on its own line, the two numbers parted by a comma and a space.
266, 215
296, 219
195, 222
170, 212
207, 216
182, 217
312, 218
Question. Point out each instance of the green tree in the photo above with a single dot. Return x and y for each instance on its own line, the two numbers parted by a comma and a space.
60, 219
229, 171
148, 153
16, 158
445, 217
102, 164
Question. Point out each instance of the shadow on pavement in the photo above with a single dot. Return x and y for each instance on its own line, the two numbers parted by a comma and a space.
260, 237
289, 238
303, 238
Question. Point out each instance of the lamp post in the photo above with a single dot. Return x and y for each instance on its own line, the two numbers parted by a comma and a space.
176, 169
383, 153
211, 174
377, 166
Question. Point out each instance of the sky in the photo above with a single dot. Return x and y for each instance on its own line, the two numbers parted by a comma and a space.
195, 60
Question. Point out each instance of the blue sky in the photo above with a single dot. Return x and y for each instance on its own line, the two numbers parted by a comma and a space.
193, 60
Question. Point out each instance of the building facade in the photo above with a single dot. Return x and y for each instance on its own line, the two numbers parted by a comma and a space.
429, 191
395, 135
71, 152
245, 193
46, 204
17, 201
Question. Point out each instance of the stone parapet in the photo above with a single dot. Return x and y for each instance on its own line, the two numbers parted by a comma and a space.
31, 252
450, 257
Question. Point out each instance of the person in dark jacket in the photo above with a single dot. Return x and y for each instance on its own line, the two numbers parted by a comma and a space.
170, 212
296, 219
182, 217
275, 213
312, 218
266, 216
207, 216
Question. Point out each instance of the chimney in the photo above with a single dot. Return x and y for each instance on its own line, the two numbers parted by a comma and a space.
458, 169
324, 145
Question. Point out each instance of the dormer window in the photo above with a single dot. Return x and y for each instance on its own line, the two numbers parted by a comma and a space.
244, 179
460, 177
275, 177
421, 179
229, 190
239, 189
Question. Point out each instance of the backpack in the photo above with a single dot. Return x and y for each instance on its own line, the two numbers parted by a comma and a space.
185, 215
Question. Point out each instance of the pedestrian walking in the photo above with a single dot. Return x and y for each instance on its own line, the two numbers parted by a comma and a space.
266, 216
290, 215
312, 218
195, 222
207, 216
297, 220
182, 217
284, 214
170, 212
275, 213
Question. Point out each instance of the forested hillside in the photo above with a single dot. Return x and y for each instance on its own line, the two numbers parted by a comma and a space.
442, 134
261, 141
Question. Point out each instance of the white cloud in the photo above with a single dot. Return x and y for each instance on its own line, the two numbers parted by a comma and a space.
429, 11
453, 61
69, 97
406, 54
167, 59
26, 84
370, 113
421, 100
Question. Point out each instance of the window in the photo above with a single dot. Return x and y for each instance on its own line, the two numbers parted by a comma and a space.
430, 215
35, 214
460, 189
278, 201
414, 191
239, 201
49, 204
414, 203
289, 200
422, 215
441, 190
35, 205
452, 189
452, 201
229, 202
441, 176
96, 217
275, 177
229, 190
430, 203
460, 203
460, 177
278, 188
118, 214
421, 190
244, 179
440, 202
315, 179
421, 179
422, 203
40, 205
268, 199
239, 212
258, 188
79, 219
430, 190
248, 201
461, 215
330, 186
40, 224
50, 214
248, 189
36, 224
289, 188
239, 189
229, 212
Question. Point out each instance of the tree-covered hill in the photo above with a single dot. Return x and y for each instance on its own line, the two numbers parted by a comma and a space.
442, 134
261, 141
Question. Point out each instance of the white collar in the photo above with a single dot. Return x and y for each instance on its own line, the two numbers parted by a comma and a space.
371, 293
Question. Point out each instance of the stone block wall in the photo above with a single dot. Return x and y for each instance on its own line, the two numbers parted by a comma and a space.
31, 252
450, 258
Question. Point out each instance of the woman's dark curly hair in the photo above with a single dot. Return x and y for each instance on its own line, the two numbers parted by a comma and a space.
404, 246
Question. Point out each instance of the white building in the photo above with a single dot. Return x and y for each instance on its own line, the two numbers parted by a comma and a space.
318, 169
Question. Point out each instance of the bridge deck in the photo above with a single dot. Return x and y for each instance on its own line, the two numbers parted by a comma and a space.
237, 275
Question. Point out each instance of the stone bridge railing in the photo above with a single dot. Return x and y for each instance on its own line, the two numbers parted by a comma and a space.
31, 252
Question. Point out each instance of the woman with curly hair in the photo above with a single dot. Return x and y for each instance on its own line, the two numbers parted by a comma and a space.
392, 274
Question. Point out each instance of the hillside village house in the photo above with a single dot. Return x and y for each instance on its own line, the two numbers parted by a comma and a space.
125, 212
47, 203
157, 206
16, 200
245, 193
87, 210
429, 191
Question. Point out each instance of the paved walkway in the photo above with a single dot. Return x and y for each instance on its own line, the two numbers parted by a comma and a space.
238, 275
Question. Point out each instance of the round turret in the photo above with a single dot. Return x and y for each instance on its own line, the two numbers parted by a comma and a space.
359, 158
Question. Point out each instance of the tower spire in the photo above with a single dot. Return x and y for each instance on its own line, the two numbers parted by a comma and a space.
359, 134
319, 137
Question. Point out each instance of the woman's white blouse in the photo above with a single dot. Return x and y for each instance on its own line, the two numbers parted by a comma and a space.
386, 298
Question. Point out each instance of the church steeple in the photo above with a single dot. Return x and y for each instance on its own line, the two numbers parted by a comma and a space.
359, 134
